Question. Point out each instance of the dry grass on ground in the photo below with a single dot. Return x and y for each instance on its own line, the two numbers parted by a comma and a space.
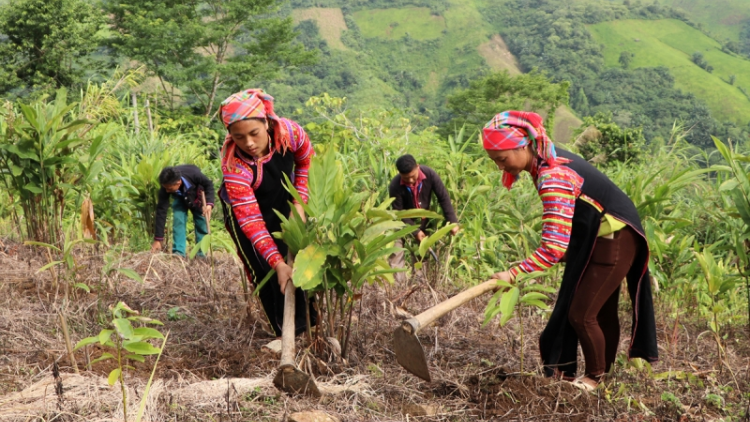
213, 367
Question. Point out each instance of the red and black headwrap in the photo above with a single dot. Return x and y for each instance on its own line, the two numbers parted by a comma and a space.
516, 129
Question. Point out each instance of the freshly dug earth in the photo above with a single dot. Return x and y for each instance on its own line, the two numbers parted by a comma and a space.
214, 367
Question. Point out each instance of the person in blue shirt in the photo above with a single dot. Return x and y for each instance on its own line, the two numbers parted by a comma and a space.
185, 184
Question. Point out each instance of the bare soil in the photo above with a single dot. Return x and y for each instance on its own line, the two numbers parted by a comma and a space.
214, 367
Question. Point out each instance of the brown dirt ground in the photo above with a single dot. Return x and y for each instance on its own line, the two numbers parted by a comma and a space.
213, 367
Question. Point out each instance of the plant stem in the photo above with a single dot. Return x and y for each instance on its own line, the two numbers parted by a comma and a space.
122, 378
348, 331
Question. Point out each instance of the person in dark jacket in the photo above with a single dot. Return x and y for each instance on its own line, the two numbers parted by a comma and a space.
186, 185
413, 188
591, 223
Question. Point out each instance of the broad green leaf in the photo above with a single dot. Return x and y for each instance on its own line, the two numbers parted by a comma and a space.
204, 246
104, 356
123, 327
86, 341
33, 188
82, 286
15, 170
48, 266
379, 243
508, 305
140, 348
378, 213
308, 264
130, 274
427, 242
533, 296
147, 333
729, 185
538, 303
135, 357
379, 228
46, 245
114, 376
104, 336
418, 213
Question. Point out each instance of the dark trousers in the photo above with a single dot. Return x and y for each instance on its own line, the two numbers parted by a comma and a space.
270, 295
593, 312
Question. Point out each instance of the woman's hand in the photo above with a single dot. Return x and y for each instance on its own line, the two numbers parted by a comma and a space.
503, 276
283, 274
300, 211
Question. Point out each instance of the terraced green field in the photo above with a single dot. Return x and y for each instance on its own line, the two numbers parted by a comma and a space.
722, 18
671, 43
395, 23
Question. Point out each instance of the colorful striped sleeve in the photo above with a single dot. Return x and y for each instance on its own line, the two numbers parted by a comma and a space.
558, 189
246, 210
303, 153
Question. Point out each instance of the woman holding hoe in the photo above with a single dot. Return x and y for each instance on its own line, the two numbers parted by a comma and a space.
259, 149
594, 226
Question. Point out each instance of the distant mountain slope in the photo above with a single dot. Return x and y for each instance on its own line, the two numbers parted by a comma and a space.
411, 54
425, 56
672, 43
722, 18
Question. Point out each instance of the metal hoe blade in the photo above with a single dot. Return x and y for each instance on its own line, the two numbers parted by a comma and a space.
294, 381
409, 352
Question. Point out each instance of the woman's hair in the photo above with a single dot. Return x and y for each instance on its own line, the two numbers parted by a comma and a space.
260, 119
406, 163
169, 176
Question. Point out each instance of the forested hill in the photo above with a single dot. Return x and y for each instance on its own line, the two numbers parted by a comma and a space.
646, 63
638, 64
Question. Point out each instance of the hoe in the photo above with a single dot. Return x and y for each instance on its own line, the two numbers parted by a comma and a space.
409, 352
288, 377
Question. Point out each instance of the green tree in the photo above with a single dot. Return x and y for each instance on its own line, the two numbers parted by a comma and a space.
44, 42
498, 92
208, 49
580, 101
601, 141
624, 59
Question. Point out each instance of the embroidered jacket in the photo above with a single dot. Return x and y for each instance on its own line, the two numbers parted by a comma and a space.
241, 182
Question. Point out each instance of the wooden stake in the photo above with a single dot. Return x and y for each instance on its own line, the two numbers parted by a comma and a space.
135, 113
148, 116
68, 345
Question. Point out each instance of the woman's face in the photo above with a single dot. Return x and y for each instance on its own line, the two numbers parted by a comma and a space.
514, 161
251, 136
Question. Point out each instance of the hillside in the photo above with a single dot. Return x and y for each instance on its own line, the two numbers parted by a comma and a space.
419, 55
415, 54
671, 43
722, 18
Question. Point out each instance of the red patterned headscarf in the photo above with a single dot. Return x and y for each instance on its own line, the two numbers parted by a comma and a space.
250, 104
516, 129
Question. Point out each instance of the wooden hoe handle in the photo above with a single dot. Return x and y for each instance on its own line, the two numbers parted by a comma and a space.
412, 325
287, 329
